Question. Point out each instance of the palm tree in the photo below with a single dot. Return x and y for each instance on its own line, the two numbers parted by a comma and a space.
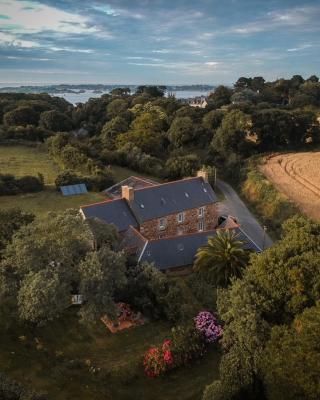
222, 258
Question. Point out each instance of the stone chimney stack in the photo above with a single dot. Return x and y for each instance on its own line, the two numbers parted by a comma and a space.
204, 175
127, 193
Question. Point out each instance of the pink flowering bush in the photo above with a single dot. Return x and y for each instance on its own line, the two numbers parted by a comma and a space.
207, 324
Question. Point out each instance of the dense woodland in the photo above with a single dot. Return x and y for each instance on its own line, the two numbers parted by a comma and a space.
268, 305
161, 136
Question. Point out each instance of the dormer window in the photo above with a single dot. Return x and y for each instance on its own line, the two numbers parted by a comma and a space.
162, 224
180, 217
201, 212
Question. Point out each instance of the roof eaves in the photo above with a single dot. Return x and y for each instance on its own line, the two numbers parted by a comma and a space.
99, 202
245, 234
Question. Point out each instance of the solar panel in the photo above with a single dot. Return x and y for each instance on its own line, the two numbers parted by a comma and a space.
72, 190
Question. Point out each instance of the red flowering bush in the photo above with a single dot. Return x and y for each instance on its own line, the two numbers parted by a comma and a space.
158, 360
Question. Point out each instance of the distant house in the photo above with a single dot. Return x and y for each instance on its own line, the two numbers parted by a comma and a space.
200, 101
164, 223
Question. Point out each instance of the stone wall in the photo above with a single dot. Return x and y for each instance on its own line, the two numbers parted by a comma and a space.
151, 229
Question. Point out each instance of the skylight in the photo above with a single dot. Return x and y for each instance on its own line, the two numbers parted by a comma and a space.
186, 194
142, 205
180, 247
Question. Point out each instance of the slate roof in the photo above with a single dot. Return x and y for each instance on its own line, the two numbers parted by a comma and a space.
115, 212
133, 181
180, 251
133, 240
170, 198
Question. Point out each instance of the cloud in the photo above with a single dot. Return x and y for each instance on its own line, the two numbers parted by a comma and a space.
9, 39
71, 50
31, 19
106, 9
212, 63
163, 51
305, 18
142, 58
27, 58
299, 48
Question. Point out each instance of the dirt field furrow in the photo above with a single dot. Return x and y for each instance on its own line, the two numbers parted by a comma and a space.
297, 175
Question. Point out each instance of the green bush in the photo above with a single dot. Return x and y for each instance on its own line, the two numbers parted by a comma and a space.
187, 345
10, 185
97, 182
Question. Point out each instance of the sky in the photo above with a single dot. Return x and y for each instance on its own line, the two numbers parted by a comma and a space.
157, 41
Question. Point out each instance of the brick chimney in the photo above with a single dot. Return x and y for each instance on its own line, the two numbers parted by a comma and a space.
127, 193
204, 175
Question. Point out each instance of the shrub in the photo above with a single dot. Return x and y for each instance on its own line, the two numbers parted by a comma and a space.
9, 185
178, 167
187, 345
66, 178
207, 324
100, 181
30, 184
97, 182
158, 360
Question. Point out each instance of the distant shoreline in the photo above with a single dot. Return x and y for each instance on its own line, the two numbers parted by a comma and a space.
79, 88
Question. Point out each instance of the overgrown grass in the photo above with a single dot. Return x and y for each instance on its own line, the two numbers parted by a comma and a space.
70, 361
268, 204
22, 160
27, 160
48, 200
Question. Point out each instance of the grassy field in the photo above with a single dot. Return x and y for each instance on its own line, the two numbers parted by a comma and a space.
24, 160
48, 200
61, 358
297, 176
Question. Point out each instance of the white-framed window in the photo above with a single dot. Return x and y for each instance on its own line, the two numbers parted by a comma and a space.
162, 224
201, 212
200, 225
181, 217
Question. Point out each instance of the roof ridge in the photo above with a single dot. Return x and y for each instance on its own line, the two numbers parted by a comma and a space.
194, 233
182, 236
101, 202
169, 183
139, 233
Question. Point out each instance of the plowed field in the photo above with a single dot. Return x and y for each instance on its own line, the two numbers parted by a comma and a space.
297, 175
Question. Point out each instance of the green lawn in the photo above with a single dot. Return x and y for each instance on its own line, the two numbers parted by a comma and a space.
48, 200
68, 352
25, 160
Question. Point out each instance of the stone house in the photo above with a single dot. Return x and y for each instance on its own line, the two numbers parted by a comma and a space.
162, 223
